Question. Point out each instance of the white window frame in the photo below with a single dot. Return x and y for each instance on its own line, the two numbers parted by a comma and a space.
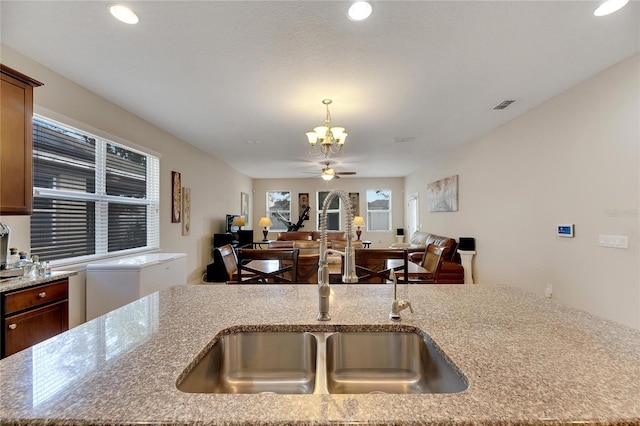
329, 211
277, 224
102, 200
371, 197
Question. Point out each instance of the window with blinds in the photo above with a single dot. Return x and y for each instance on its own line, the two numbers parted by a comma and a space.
92, 197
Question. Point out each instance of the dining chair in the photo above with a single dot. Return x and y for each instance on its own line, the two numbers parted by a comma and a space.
431, 262
307, 247
256, 266
280, 244
371, 265
226, 256
341, 244
308, 268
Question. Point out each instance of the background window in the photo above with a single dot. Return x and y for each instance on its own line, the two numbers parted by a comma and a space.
378, 210
279, 209
92, 197
333, 211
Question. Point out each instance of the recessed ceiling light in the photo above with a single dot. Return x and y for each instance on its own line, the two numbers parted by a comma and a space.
359, 10
610, 6
123, 13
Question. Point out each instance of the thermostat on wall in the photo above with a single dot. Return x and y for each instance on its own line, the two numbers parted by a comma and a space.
565, 231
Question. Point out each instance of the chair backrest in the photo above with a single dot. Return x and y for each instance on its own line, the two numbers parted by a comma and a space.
432, 259
341, 244
307, 247
267, 266
371, 264
308, 268
280, 244
227, 256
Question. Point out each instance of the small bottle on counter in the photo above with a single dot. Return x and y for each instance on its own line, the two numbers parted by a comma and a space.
37, 270
47, 269
13, 261
23, 258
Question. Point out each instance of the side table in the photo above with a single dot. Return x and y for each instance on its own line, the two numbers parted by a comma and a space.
466, 258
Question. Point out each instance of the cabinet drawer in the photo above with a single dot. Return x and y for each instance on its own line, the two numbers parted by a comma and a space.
32, 327
19, 300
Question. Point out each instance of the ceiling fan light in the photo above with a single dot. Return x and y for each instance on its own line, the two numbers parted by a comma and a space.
609, 7
327, 176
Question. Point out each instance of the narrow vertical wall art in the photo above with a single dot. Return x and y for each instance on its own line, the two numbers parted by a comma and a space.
176, 197
186, 211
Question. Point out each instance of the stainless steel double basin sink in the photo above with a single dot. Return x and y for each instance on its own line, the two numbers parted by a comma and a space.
393, 362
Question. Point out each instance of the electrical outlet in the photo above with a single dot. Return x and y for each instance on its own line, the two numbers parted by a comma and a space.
548, 292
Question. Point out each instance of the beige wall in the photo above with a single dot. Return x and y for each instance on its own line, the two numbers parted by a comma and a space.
575, 160
209, 203
314, 185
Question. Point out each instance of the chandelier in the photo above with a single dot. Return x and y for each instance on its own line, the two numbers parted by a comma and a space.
331, 138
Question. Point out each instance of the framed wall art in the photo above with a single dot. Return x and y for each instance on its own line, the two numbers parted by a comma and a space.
244, 206
442, 195
303, 203
176, 197
186, 211
355, 203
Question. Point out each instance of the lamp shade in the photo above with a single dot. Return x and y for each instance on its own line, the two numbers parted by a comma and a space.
358, 221
238, 221
265, 221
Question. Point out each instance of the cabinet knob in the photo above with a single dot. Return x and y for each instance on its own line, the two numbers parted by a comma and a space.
42, 295
12, 326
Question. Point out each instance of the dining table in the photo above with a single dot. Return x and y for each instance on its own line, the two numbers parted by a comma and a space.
335, 268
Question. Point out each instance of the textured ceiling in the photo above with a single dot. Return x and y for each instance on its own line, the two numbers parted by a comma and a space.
219, 73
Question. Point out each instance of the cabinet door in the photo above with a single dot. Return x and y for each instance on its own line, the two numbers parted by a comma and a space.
28, 328
16, 146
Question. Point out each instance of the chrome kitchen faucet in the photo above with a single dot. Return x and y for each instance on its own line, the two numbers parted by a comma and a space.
349, 275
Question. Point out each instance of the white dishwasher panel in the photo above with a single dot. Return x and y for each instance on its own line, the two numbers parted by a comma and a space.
114, 283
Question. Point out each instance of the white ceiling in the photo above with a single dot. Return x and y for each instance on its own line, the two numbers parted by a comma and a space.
219, 73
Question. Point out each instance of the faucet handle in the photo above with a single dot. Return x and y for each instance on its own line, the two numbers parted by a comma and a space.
398, 306
404, 304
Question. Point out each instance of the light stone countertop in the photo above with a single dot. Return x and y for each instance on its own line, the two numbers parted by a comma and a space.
23, 282
528, 360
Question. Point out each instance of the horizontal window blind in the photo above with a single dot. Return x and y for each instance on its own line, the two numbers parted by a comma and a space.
92, 197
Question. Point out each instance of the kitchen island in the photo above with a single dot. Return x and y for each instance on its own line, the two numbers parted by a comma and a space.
527, 359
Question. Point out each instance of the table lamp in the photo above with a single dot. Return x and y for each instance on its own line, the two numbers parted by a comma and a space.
238, 221
358, 221
265, 221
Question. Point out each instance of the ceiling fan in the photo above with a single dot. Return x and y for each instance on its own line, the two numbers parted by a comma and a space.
329, 172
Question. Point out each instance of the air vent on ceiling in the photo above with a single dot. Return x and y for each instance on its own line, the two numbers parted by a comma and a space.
504, 104
403, 140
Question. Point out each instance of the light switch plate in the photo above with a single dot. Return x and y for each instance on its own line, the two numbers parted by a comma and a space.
615, 241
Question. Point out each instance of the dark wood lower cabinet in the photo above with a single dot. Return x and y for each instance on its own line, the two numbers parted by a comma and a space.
34, 314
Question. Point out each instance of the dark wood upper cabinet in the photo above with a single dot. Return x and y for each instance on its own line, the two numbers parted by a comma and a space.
16, 111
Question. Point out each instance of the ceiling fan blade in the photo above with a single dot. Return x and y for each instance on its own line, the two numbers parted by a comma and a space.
345, 173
